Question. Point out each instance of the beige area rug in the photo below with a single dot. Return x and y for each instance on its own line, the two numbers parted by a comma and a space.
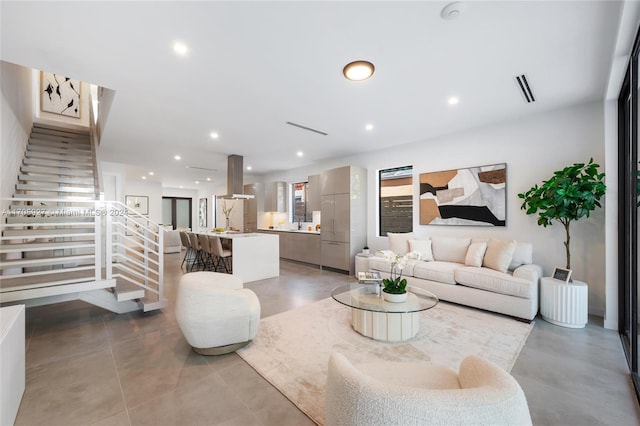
292, 349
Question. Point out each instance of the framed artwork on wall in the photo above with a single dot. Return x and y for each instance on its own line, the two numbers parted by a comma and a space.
139, 203
470, 196
202, 213
59, 95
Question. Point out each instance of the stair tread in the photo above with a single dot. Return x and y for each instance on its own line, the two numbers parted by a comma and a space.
62, 156
56, 171
53, 188
57, 163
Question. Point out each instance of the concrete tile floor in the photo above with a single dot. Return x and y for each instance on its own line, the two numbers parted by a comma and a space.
86, 366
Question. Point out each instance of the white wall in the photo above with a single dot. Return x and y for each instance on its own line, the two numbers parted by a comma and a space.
533, 149
16, 121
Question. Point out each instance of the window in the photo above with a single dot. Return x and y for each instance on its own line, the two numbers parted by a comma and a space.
299, 194
395, 187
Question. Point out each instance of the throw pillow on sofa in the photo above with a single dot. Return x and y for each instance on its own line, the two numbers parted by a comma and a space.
475, 254
399, 242
499, 254
450, 249
423, 247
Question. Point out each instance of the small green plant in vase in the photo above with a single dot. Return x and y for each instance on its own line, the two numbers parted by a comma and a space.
395, 287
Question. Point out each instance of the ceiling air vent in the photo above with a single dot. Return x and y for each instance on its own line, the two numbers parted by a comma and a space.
300, 126
523, 84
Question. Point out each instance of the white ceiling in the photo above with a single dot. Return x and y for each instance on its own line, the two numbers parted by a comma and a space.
252, 66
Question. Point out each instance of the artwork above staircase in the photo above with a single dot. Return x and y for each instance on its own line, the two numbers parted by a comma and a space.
61, 242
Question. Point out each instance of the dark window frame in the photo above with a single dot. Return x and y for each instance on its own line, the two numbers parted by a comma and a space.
383, 226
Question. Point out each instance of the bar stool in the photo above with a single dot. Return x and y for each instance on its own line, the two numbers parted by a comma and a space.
193, 239
221, 255
188, 256
207, 253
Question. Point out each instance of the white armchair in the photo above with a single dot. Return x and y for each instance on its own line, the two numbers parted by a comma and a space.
215, 313
391, 393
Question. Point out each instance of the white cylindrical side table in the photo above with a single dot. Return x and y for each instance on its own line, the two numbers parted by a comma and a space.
564, 304
362, 262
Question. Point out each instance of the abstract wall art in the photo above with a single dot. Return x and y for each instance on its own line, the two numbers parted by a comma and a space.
202, 213
59, 95
471, 196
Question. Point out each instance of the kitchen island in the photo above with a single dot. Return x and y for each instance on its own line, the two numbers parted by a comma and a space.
255, 256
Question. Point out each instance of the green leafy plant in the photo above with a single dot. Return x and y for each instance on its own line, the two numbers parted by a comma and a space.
395, 284
569, 195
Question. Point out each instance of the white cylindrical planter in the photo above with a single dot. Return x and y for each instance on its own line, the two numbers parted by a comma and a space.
564, 304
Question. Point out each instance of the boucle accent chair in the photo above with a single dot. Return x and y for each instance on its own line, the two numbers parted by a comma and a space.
393, 393
215, 313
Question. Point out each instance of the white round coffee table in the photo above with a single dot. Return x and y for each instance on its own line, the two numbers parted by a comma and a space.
378, 319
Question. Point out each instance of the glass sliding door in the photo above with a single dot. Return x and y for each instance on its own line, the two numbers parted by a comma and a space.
176, 211
628, 229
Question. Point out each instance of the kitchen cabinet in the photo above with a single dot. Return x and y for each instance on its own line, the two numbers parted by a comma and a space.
313, 193
275, 196
335, 181
250, 218
298, 246
343, 216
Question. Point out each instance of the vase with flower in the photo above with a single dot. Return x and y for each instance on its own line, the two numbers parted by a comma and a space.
227, 212
395, 287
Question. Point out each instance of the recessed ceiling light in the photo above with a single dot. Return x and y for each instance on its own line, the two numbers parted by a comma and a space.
177, 157
181, 186
368, 127
180, 48
249, 167
197, 182
453, 100
214, 135
144, 177
208, 179
300, 153
358, 70
151, 173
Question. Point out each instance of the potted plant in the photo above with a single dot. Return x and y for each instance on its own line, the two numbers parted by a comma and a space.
365, 250
395, 287
569, 195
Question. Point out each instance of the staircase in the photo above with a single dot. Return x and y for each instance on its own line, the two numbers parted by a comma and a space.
60, 242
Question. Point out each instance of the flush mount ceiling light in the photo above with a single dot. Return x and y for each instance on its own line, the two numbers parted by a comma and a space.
358, 70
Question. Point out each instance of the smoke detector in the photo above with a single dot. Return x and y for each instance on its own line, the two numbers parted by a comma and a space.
452, 11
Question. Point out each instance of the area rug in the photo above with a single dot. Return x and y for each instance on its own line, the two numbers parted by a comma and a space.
292, 349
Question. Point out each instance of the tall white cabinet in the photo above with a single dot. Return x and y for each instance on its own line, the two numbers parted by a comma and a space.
343, 205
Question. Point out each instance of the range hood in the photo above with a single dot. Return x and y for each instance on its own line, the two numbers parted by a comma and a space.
235, 187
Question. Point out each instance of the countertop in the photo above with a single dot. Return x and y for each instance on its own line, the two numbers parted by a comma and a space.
302, 231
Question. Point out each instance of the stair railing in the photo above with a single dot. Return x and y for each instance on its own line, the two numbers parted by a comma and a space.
132, 243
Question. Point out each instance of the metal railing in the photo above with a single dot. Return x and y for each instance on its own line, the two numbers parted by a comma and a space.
126, 244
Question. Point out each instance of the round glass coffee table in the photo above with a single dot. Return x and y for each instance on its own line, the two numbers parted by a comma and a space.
378, 319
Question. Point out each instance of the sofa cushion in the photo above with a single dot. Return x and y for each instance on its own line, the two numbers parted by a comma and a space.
494, 281
475, 254
442, 272
423, 247
448, 249
379, 263
499, 254
399, 243
522, 255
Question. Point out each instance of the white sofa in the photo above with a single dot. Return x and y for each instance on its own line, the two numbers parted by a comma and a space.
495, 275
